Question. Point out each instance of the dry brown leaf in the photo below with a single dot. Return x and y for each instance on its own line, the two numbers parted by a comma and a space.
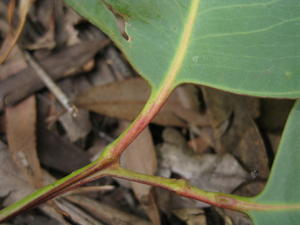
106, 213
59, 153
21, 135
10, 42
235, 131
140, 156
124, 99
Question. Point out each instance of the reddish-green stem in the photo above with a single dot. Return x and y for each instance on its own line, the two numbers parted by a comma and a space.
109, 156
183, 188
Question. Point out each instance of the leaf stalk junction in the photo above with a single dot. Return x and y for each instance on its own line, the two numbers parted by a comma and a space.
108, 165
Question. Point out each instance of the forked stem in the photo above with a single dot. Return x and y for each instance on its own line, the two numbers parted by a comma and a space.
107, 165
183, 188
109, 156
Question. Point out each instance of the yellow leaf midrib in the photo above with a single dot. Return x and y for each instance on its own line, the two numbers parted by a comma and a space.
183, 45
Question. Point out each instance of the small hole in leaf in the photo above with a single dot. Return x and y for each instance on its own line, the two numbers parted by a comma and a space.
121, 21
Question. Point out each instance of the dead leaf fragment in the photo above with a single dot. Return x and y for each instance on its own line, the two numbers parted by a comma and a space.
235, 131
21, 135
124, 99
59, 153
140, 156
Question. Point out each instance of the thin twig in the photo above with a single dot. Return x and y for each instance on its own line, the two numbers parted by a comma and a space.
57, 92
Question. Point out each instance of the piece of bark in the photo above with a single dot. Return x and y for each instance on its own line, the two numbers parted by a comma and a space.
26, 82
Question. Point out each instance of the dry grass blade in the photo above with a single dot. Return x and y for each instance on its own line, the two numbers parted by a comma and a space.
76, 214
9, 43
106, 213
89, 189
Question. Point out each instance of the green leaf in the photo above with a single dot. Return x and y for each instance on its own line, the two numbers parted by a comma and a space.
248, 47
283, 187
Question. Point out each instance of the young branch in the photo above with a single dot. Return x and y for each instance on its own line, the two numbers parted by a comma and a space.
152, 107
183, 188
109, 157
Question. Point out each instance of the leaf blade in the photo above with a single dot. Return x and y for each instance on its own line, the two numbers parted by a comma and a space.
283, 185
237, 46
